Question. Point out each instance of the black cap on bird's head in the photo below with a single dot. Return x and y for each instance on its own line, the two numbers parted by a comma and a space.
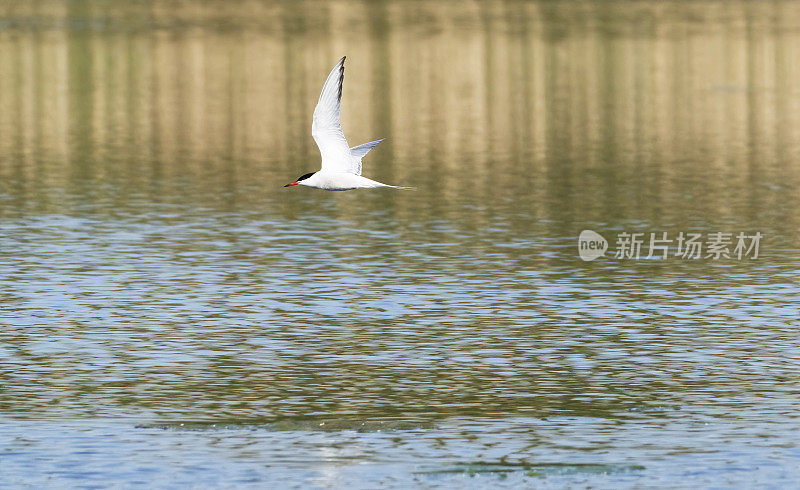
302, 177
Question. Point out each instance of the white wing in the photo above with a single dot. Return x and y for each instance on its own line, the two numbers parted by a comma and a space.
360, 152
327, 126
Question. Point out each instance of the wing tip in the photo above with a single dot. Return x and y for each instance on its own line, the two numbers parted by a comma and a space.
341, 78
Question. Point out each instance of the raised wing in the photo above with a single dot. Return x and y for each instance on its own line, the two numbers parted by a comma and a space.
360, 152
327, 126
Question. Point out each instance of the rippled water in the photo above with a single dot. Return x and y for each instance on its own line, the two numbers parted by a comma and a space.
173, 316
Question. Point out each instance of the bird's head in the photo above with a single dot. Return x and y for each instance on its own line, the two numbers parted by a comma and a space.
300, 180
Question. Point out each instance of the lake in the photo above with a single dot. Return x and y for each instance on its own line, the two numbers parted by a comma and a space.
173, 316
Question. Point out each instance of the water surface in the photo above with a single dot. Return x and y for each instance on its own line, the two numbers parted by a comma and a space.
172, 315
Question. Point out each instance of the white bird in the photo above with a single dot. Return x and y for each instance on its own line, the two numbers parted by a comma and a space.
341, 165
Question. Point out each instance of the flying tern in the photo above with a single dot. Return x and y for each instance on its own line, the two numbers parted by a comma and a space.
341, 165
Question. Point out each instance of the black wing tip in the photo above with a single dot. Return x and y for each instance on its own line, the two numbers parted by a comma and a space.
341, 78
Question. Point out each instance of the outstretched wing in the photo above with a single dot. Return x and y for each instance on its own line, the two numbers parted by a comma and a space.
327, 126
360, 152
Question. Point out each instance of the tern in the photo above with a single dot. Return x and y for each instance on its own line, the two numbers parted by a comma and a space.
341, 165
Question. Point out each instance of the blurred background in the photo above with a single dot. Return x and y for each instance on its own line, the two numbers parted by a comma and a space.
160, 290
643, 110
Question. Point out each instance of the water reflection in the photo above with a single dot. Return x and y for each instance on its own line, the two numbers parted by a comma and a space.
581, 112
153, 269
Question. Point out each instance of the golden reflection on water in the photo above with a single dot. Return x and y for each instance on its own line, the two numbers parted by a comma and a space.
521, 124
634, 104
153, 268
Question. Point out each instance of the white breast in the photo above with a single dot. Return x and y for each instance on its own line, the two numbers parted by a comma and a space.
339, 181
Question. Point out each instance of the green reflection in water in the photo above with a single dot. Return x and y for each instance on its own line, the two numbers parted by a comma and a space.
152, 263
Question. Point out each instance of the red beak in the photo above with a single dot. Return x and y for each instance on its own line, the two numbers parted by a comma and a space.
291, 184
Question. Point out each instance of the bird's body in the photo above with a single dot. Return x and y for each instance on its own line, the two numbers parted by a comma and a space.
340, 181
341, 165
